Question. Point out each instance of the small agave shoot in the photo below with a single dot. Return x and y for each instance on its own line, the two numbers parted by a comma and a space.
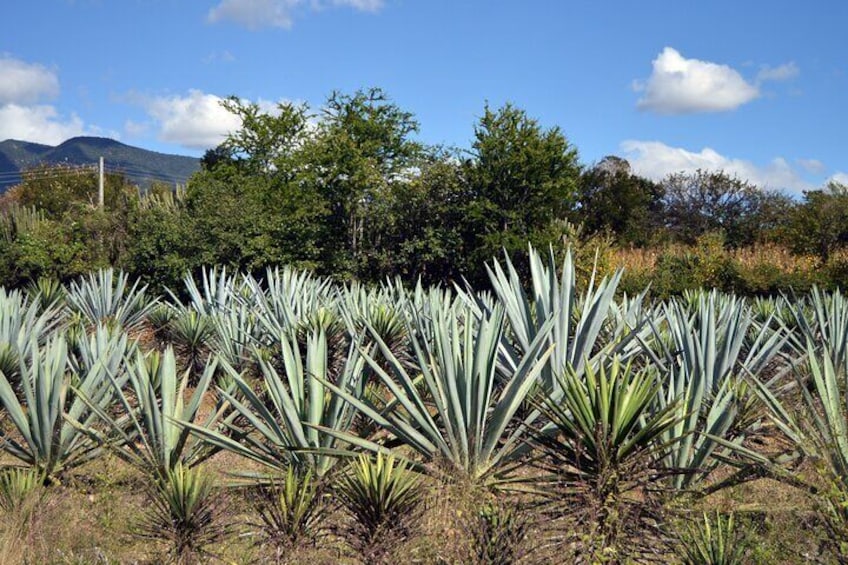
382, 495
186, 514
48, 291
499, 535
602, 453
49, 418
190, 332
453, 408
292, 511
22, 503
713, 541
21, 491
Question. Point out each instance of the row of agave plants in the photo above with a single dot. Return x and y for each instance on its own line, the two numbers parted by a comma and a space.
606, 410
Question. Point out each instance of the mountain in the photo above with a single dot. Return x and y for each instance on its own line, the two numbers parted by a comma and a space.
139, 165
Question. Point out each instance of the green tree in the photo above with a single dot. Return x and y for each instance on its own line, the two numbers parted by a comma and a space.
249, 207
705, 201
418, 228
523, 180
56, 189
363, 147
612, 199
820, 224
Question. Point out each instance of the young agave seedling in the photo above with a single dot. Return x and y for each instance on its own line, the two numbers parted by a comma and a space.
382, 496
713, 542
291, 511
185, 512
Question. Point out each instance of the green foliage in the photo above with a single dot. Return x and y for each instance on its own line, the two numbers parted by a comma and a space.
184, 513
59, 189
292, 511
629, 206
522, 177
713, 542
701, 202
382, 496
705, 347
818, 225
46, 419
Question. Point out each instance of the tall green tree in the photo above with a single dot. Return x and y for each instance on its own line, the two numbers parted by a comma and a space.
820, 224
704, 201
250, 206
362, 147
523, 179
418, 229
612, 199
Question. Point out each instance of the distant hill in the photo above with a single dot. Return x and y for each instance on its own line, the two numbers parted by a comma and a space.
139, 165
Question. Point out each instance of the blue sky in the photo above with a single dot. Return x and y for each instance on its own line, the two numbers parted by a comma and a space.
756, 88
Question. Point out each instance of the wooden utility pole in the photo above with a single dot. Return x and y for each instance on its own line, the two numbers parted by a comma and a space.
100, 184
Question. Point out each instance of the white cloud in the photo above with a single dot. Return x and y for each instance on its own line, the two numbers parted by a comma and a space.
681, 86
135, 129
219, 57
39, 124
813, 166
255, 14
783, 72
656, 160
25, 83
23, 88
196, 120
840, 177
362, 5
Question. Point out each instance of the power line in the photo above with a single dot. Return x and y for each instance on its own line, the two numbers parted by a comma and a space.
9, 177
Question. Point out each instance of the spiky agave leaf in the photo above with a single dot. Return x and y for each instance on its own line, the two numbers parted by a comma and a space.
294, 421
456, 410
287, 298
577, 335
704, 353
105, 297
603, 448
22, 320
816, 428
45, 437
149, 426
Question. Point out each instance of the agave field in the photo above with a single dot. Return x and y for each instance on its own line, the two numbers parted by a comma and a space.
287, 418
